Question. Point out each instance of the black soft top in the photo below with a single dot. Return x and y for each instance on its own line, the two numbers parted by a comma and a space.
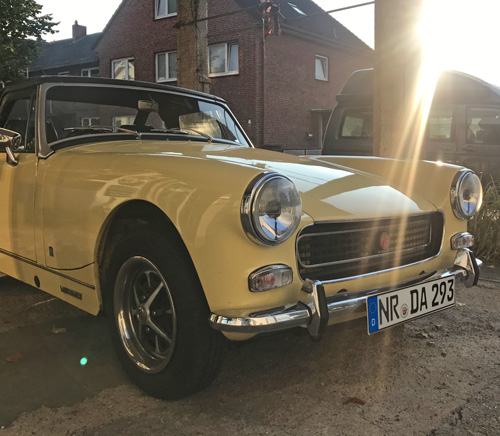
35, 81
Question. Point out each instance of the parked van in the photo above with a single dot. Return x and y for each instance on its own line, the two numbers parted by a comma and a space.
463, 126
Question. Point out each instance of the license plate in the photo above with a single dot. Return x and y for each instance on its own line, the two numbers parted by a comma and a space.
396, 307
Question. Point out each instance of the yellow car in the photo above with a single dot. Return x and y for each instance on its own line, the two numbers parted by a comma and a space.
150, 203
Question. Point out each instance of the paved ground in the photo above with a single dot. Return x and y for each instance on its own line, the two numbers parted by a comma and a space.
436, 376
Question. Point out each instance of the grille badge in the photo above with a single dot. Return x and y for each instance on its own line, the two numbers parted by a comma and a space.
385, 240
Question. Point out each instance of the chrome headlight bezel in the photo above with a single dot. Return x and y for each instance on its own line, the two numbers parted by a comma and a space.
458, 194
250, 210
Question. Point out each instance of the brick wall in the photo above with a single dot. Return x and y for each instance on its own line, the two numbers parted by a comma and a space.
242, 91
134, 32
276, 115
292, 90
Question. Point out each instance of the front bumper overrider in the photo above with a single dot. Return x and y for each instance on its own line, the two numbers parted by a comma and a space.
315, 310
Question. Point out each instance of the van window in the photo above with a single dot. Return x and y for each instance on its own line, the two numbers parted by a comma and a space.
357, 124
483, 126
439, 124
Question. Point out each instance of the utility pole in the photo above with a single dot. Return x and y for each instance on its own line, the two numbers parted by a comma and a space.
192, 45
398, 61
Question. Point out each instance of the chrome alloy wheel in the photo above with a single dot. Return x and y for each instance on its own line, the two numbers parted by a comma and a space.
145, 314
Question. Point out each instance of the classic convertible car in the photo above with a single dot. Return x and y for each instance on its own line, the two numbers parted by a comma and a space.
150, 203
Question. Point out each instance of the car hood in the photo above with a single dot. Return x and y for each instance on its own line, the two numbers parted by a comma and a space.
328, 191
333, 191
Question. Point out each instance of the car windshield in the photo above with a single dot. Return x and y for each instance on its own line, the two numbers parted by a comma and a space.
72, 111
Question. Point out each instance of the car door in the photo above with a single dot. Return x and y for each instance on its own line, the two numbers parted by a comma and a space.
17, 181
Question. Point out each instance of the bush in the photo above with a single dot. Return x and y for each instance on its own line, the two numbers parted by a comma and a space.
485, 226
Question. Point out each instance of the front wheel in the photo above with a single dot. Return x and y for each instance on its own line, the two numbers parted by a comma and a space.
144, 314
158, 315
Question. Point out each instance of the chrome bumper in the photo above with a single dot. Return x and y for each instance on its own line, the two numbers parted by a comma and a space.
316, 309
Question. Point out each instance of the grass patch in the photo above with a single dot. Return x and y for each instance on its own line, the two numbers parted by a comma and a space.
485, 226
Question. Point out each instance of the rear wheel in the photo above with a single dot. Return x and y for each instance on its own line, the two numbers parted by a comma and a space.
158, 315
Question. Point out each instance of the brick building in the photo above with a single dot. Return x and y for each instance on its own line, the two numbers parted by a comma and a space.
281, 88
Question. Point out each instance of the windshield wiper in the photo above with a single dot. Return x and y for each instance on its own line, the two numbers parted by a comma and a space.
132, 132
188, 129
98, 129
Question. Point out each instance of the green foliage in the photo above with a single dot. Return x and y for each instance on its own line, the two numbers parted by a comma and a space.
485, 226
21, 30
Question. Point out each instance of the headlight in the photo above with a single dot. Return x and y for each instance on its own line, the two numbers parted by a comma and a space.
271, 209
466, 194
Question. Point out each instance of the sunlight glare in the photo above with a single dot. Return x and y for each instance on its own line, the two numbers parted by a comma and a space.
454, 33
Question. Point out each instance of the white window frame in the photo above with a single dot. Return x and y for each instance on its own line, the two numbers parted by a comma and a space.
87, 72
168, 14
226, 71
321, 58
90, 119
127, 60
167, 61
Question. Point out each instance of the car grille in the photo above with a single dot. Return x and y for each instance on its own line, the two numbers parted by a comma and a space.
330, 251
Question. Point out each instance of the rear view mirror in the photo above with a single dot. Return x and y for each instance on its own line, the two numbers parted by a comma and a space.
148, 106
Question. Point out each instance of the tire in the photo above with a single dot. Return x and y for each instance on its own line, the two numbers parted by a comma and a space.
158, 315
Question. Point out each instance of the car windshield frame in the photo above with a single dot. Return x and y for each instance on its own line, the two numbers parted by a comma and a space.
110, 132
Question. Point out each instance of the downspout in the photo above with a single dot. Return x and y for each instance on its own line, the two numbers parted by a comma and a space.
263, 76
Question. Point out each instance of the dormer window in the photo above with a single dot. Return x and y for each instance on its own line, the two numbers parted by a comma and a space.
296, 9
165, 8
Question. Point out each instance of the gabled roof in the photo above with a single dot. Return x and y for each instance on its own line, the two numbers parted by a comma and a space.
316, 22
67, 52
313, 21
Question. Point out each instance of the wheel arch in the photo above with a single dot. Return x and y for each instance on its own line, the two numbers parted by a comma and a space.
123, 219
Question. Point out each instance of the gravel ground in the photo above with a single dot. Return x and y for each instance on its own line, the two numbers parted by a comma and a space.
439, 375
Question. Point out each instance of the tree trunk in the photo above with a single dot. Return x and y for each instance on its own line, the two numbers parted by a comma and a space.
192, 45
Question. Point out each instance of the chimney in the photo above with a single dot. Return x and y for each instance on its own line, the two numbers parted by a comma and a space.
78, 31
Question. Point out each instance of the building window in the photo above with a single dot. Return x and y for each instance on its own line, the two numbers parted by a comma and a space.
123, 69
223, 59
166, 66
165, 8
90, 72
123, 120
90, 121
321, 68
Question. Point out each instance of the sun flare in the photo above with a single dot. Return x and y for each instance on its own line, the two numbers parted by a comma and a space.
455, 34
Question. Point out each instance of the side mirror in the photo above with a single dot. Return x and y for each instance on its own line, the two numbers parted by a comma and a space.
10, 141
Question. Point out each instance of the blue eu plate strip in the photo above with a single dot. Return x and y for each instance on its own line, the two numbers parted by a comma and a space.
372, 308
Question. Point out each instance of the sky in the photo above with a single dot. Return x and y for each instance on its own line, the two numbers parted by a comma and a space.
462, 35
